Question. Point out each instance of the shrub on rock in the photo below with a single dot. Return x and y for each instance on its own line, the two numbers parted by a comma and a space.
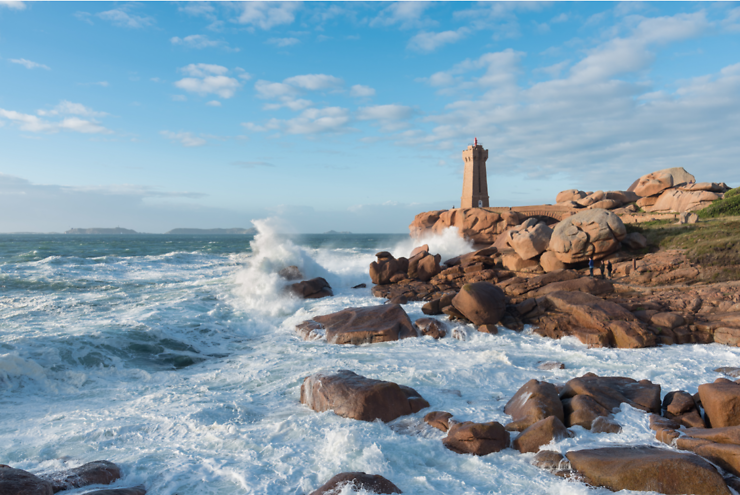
353, 396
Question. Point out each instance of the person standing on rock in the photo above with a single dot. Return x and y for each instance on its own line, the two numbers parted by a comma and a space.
609, 269
601, 269
591, 266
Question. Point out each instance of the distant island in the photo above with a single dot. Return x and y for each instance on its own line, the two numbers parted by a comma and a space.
212, 231
100, 231
334, 232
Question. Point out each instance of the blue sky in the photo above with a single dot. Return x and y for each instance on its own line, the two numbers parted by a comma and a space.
350, 116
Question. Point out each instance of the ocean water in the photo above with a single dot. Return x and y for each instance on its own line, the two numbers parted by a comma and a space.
175, 357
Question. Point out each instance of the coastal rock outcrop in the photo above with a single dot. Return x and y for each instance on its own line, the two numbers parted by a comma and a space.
366, 325
386, 267
588, 233
92, 473
678, 200
482, 303
374, 483
647, 469
656, 182
528, 240
480, 225
353, 396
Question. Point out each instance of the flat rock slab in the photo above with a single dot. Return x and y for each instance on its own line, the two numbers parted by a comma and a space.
353, 396
368, 325
359, 481
648, 469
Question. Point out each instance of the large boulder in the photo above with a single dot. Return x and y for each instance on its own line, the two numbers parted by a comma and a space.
676, 200
476, 438
550, 262
647, 469
315, 288
92, 473
353, 396
423, 266
656, 182
19, 482
611, 391
592, 198
541, 433
594, 321
367, 325
382, 270
569, 195
530, 239
588, 233
534, 401
623, 197
479, 225
721, 402
482, 303
373, 483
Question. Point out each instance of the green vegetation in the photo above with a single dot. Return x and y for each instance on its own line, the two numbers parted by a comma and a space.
732, 192
714, 242
730, 206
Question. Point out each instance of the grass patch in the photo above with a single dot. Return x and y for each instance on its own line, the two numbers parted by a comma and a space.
714, 242
728, 207
732, 192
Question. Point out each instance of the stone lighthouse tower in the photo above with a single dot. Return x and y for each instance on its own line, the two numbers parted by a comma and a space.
475, 181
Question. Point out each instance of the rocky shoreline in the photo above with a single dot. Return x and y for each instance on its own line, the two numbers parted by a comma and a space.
533, 272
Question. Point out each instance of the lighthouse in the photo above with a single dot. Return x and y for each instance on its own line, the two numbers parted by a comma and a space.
475, 181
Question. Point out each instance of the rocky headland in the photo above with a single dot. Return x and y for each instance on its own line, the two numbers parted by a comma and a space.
673, 246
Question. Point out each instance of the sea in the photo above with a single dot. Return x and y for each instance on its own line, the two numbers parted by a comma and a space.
176, 358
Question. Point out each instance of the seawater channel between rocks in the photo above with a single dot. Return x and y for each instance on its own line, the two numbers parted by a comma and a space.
176, 358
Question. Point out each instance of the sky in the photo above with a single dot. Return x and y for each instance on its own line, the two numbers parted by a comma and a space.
350, 116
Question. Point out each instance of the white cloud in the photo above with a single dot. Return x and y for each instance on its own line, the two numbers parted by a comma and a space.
197, 41
428, 41
407, 15
187, 139
315, 82
68, 108
203, 70
28, 64
391, 117
732, 22
360, 91
267, 89
281, 42
242, 74
32, 123
553, 70
203, 9
310, 121
12, 5
266, 15
563, 17
121, 18
208, 79
214, 103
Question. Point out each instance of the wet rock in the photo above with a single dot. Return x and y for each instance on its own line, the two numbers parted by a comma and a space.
291, 272
588, 233
677, 403
19, 482
647, 469
316, 288
541, 433
726, 456
399, 299
386, 267
611, 391
432, 327
534, 401
604, 424
551, 365
310, 330
728, 434
423, 266
482, 303
137, 490
359, 481
359, 286
353, 396
553, 462
583, 411
439, 420
721, 402
492, 329
729, 371
476, 438
92, 473
367, 325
